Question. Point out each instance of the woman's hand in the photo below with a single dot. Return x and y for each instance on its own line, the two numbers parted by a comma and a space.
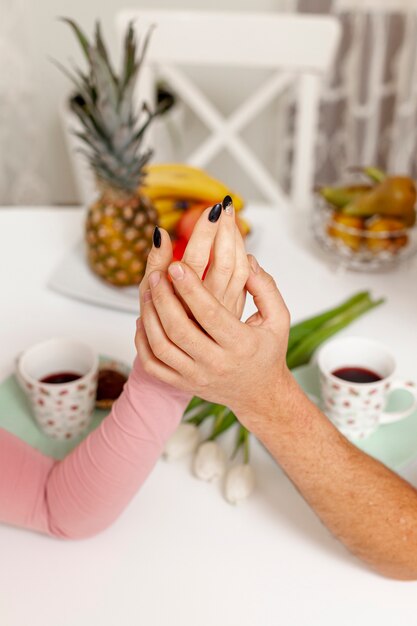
241, 365
217, 239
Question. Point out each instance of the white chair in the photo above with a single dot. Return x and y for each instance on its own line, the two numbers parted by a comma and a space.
373, 93
296, 49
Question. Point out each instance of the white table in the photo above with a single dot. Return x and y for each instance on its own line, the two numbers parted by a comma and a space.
180, 555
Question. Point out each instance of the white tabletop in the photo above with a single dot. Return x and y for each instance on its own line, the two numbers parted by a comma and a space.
179, 554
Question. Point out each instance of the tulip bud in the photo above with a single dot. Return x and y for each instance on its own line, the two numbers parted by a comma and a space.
209, 461
184, 441
239, 483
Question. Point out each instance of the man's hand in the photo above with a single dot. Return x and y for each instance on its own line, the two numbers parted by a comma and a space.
231, 362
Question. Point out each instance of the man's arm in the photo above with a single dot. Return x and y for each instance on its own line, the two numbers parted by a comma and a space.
365, 505
369, 508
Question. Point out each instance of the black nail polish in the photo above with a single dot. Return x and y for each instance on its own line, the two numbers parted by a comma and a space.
215, 213
227, 201
157, 237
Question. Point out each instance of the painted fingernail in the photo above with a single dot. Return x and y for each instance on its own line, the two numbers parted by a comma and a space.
157, 237
215, 213
254, 264
176, 271
147, 296
228, 205
154, 278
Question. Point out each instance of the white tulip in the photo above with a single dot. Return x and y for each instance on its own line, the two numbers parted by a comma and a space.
239, 483
209, 461
184, 441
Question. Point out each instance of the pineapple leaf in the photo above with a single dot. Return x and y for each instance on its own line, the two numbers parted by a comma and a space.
145, 45
128, 63
84, 43
111, 130
68, 74
102, 50
90, 122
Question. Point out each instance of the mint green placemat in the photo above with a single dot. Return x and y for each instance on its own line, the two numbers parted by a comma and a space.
393, 444
15, 416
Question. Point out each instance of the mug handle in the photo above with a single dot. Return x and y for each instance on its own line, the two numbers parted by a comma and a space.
389, 417
19, 379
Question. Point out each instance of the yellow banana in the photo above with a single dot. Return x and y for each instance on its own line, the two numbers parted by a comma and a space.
170, 220
166, 205
179, 181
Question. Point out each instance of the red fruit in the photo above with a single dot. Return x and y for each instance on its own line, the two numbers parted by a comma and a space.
178, 248
187, 222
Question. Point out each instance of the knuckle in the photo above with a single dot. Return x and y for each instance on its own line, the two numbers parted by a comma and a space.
242, 274
195, 261
222, 370
223, 267
269, 283
200, 379
160, 349
158, 297
176, 333
210, 315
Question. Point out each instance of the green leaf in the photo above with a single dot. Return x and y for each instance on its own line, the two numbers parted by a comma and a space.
302, 329
84, 43
303, 351
225, 419
102, 50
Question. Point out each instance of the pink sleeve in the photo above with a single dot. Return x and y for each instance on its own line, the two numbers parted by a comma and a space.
85, 492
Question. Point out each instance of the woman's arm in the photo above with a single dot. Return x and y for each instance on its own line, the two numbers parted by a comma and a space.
368, 507
84, 493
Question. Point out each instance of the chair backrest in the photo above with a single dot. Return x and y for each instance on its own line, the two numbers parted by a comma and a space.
374, 86
296, 49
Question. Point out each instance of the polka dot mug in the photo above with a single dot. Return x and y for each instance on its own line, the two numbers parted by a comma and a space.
62, 410
357, 409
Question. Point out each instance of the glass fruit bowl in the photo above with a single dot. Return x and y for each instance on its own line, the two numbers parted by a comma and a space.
376, 243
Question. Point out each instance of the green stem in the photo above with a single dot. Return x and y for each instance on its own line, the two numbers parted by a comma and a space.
194, 402
224, 421
303, 329
207, 411
302, 352
246, 441
242, 440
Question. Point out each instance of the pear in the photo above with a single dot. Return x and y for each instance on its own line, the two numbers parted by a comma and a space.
393, 197
339, 197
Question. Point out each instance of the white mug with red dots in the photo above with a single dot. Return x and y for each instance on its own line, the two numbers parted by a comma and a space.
59, 378
356, 378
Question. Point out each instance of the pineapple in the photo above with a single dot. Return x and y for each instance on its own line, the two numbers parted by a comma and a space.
121, 222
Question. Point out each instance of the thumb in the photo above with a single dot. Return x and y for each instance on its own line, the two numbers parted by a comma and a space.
266, 296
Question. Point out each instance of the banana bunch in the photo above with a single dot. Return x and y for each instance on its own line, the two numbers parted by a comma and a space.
173, 188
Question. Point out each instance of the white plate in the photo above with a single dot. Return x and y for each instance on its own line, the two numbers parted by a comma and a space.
73, 278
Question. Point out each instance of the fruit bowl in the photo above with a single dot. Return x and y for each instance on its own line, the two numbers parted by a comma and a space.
373, 244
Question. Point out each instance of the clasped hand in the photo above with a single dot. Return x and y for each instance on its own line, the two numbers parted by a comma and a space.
190, 335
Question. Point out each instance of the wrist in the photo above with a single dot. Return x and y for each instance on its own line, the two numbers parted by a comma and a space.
283, 408
142, 381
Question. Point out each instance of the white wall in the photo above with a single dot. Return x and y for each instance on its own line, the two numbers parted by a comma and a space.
40, 37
